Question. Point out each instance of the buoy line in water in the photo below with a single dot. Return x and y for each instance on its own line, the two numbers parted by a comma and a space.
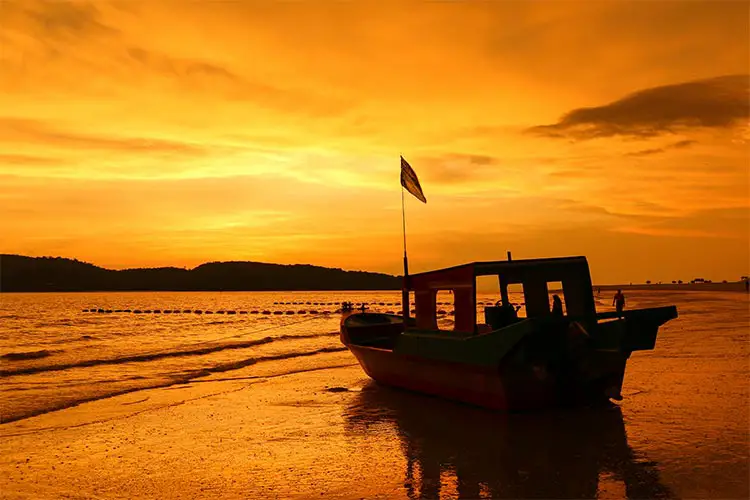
202, 311
265, 312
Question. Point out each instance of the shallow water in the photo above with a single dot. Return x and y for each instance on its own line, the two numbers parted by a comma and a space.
681, 431
53, 354
57, 351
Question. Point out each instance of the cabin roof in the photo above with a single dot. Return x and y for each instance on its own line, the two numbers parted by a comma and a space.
498, 266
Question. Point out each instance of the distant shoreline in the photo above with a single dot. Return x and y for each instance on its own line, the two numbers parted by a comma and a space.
20, 273
735, 286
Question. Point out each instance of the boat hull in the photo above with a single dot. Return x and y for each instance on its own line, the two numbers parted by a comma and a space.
511, 385
489, 387
470, 384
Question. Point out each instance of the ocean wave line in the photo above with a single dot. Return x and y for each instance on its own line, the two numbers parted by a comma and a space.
135, 358
22, 356
181, 380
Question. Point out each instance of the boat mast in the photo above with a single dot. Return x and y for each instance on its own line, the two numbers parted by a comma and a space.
405, 285
410, 182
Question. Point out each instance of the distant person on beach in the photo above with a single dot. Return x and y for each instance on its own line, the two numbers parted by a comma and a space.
747, 285
557, 306
619, 301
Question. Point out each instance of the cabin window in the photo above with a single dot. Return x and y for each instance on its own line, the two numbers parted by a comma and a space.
517, 298
556, 288
445, 310
412, 304
488, 288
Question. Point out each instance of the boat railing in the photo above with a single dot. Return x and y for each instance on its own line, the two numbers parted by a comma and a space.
655, 313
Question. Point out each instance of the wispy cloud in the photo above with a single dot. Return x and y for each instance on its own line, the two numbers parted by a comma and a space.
26, 160
39, 132
456, 168
57, 20
728, 223
652, 151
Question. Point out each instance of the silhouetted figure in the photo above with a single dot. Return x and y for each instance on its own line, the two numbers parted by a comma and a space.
508, 313
363, 307
747, 286
557, 306
619, 301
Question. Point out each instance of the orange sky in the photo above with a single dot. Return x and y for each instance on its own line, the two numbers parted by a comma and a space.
147, 133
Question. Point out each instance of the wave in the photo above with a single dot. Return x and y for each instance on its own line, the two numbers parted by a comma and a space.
236, 365
179, 380
22, 356
135, 358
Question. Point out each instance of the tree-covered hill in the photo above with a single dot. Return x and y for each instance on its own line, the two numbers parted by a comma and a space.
56, 274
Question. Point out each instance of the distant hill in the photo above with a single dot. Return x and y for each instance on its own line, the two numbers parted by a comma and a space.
56, 274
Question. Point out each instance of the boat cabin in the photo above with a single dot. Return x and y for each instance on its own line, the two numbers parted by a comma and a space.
534, 275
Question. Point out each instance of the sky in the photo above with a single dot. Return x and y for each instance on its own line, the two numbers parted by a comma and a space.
175, 132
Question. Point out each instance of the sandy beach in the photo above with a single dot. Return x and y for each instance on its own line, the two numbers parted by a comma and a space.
255, 434
317, 432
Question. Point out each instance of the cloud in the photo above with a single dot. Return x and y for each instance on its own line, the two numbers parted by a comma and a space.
454, 168
683, 144
730, 223
177, 66
716, 102
36, 131
78, 47
220, 80
652, 151
26, 160
63, 20
646, 152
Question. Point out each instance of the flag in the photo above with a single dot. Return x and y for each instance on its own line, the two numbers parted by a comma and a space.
410, 182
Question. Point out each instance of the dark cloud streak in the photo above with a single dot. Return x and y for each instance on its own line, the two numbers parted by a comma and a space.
717, 103
653, 151
55, 20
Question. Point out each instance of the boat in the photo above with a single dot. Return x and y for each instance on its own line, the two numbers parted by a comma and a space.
507, 361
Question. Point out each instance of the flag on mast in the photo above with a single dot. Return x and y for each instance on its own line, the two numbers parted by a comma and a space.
410, 182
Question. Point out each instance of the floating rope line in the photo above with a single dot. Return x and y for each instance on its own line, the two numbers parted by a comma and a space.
376, 308
201, 311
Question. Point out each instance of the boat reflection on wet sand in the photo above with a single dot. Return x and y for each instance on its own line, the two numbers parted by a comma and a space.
456, 450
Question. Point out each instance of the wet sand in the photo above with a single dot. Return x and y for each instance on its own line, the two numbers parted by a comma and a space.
331, 433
